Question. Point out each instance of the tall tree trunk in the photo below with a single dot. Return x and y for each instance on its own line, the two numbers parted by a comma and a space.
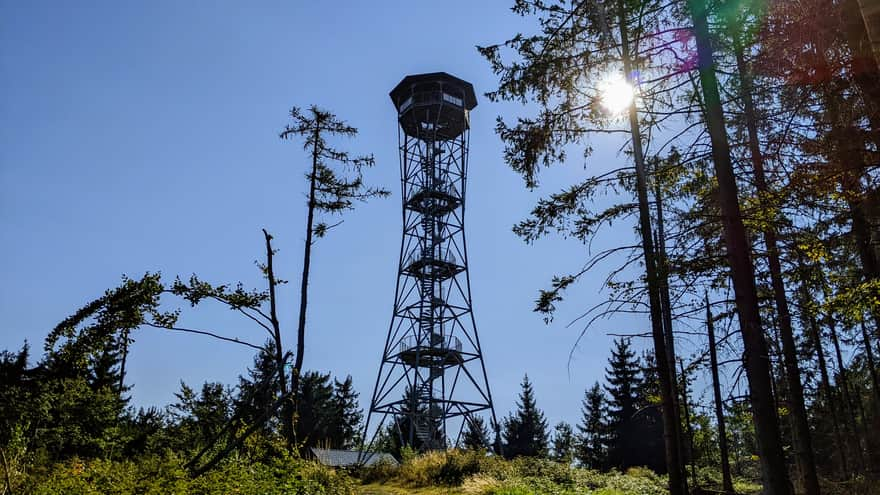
677, 482
825, 384
666, 308
872, 366
123, 361
803, 444
850, 164
757, 362
690, 428
304, 286
286, 410
726, 479
864, 68
843, 384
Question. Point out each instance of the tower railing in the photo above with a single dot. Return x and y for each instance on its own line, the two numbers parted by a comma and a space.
443, 256
430, 98
435, 342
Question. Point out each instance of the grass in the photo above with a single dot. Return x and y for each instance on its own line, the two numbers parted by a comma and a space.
452, 472
475, 473
389, 489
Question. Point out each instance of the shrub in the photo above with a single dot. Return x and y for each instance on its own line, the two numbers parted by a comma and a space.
379, 472
163, 475
441, 468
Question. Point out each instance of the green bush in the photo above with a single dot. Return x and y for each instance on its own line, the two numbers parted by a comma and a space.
165, 475
480, 474
448, 468
379, 472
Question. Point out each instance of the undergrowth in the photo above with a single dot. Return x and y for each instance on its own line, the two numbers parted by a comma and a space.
476, 473
166, 475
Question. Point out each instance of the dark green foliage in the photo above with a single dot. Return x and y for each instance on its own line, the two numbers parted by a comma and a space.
259, 390
345, 429
198, 418
476, 434
164, 474
328, 414
563, 443
72, 402
592, 430
395, 437
149, 432
623, 379
635, 429
525, 431
314, 415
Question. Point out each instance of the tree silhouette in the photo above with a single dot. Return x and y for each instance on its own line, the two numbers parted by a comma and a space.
335, 182
563, 443
592, 430
476, 434
525, 432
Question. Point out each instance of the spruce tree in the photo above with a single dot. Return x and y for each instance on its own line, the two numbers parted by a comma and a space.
525, 432
315, 415
476, 434
647, 423
592, 431
563, 443
624, 383
259, 390
347, 416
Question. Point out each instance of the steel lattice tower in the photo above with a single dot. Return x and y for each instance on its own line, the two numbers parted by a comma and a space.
432, 375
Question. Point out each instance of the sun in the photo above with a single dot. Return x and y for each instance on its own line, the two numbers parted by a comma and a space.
616, 94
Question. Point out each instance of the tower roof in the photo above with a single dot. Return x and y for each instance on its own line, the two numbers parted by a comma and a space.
406, 85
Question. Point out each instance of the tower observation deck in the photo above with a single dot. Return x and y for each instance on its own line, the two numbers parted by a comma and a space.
432, 379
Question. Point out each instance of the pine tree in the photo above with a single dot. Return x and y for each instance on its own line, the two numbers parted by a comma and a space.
563, 443
476, 434
592, 431
525, 432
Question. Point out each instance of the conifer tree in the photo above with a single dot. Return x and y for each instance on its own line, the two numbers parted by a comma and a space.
347, 415
315, 415
525, 432
624, 383
563, 443
259, 390
476, 434
592, 430
199, 417
579, 48
331, 191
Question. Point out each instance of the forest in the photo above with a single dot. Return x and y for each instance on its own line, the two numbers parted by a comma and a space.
748, 180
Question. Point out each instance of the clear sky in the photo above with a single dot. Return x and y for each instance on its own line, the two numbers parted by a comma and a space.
143, 136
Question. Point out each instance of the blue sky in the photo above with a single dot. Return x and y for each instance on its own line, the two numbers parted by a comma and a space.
143, 136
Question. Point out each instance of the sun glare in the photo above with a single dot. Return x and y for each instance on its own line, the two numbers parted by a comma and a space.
616, 94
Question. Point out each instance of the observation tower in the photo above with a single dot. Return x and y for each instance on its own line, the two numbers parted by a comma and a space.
432, 379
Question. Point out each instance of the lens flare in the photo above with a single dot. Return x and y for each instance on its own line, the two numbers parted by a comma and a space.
616, 94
